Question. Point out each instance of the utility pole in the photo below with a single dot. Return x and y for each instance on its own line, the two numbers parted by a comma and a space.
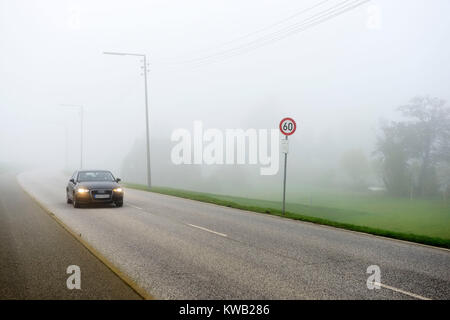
81, 139
284, 179
147, 125
287, 127
66, 166
81, 109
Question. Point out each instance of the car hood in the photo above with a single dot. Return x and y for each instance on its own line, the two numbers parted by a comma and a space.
98, 184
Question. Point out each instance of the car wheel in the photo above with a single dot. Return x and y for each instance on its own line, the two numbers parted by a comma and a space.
75, 202
67, 198
119, 203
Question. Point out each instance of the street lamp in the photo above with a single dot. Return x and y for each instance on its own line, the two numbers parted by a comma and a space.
149, 177
81, 130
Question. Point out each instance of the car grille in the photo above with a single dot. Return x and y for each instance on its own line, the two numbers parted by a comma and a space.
100, 193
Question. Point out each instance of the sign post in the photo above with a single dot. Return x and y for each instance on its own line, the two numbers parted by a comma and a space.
287, 127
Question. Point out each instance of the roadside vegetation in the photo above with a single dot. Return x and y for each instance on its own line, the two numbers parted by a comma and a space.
422, 221
400, 189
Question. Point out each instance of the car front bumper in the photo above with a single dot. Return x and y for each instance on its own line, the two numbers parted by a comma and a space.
93, 196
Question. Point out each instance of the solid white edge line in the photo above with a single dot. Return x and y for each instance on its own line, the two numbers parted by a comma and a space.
204, 229
401, 291
408, 242
376, 283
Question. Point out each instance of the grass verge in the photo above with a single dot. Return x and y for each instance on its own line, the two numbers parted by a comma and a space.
308, 213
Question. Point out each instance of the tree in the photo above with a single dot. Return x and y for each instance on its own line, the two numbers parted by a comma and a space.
355, 164
423, 137
391, 147
443, 173
429, 130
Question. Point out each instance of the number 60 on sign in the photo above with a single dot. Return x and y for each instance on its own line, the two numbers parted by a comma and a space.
288, 126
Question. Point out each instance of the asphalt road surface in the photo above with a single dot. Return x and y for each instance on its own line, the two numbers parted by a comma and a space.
35, 252
181, 249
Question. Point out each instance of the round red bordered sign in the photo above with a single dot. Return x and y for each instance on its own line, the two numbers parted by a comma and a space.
288, 126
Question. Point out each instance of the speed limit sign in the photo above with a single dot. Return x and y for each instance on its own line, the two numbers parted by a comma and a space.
288, 126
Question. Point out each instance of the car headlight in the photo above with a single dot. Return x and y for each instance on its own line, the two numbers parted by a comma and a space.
118, 190
82, 190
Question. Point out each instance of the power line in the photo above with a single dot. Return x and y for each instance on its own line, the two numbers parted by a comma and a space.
299, 13
281, 34
298, 28
278, 35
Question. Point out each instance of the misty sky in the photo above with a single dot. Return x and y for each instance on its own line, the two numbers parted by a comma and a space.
337, 79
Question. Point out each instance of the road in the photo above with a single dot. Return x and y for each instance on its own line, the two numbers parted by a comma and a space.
182, 249
35, 252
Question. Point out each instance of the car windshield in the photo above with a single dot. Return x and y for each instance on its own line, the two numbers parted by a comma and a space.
95, 176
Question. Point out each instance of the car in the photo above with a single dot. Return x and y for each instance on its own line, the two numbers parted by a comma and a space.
94, 186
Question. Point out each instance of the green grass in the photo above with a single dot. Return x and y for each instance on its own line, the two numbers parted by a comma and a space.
418, 220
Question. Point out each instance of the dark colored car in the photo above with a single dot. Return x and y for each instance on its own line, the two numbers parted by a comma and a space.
94, 186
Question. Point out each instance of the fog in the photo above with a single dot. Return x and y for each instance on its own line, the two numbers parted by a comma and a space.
339, 80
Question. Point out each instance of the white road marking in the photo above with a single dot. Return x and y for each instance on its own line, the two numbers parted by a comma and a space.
401, 291
136, 207
204, 229
376, 283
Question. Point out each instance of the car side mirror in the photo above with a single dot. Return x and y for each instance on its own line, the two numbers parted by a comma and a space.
118, 180
72, 180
